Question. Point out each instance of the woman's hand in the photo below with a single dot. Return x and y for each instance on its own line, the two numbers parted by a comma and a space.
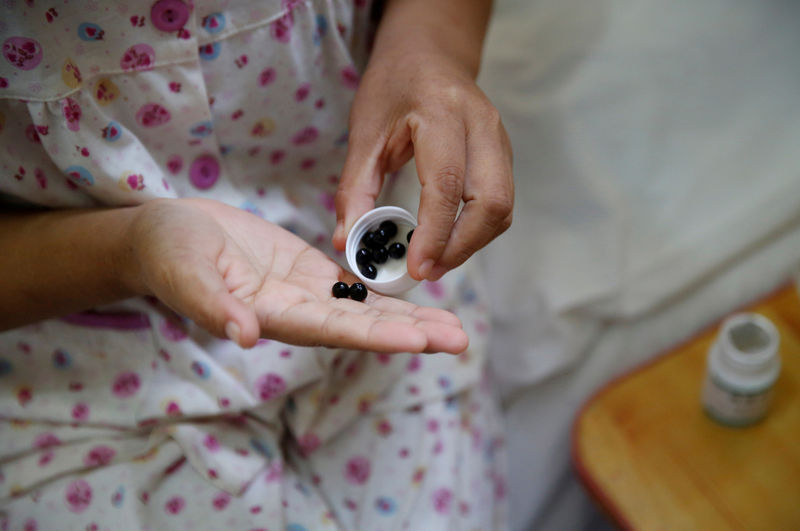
418, 98
239, 276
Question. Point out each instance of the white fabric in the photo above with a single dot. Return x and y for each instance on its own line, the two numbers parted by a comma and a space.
131, 417
654, 143
657, 162
544, 492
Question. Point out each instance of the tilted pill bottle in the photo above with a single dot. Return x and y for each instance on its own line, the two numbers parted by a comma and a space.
393, 277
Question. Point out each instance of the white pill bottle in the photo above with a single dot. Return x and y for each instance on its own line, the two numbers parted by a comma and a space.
393, 277
743, 365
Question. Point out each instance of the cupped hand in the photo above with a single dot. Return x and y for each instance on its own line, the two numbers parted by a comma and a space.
241, 277
426, 106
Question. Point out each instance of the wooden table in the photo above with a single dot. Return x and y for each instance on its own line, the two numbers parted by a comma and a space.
653, 459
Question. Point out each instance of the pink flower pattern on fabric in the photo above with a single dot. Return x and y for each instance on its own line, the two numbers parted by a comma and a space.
78, 495
72, 113
175, 505
269, 386
349, 77
22, 52
266, 77
281, 29
143, 113
171, 330
441, 500
138, 57
46, 440
126, 385
357, 470
80, 411
305, 136
99, 456
221, 501
152, 115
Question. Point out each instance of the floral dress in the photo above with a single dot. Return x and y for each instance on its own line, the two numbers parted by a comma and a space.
129, 416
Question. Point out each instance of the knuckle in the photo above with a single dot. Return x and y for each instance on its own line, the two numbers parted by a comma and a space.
507, 145
435, 240
453, 96
460, 257
449, 181
498, 206
505, 224
490, 116
340, 199
493, 116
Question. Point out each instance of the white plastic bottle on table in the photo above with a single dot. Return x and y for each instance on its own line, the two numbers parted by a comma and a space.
743, 365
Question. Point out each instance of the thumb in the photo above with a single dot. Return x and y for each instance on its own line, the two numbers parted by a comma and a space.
199, 292
359, 187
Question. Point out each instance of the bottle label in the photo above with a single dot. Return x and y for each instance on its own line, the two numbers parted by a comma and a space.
734, 407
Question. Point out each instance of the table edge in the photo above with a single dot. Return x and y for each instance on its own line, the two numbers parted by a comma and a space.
595, 491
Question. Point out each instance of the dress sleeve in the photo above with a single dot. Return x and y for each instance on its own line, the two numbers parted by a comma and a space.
29, 175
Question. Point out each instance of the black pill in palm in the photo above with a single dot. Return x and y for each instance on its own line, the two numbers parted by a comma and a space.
390, 228
340, 290
358, 292
397, 250
363, 256
408, 236
369, 271
380, 255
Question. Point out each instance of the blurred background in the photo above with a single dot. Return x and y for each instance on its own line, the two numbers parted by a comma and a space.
657, 165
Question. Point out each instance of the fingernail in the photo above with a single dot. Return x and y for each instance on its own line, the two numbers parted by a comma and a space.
425, 268
338, 232
437, 272
232, 331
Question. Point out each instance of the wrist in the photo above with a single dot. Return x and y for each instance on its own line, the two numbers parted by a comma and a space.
424, 56
63, 261
126, 256
453, 32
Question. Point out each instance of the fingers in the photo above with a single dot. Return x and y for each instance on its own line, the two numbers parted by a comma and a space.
442, 328
488, 194
461, 154
360, 184
401, 307
391, 305
347, 324
380, 324
444, 339
440, 153
200, 293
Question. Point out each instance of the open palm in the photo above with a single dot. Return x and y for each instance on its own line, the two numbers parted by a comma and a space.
242, 277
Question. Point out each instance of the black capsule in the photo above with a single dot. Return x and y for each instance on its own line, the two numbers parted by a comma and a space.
340, 290
381, 237
358, 292
397, 250
389, 228
371, 241
380, 255
369, 271
408, 236
363, 256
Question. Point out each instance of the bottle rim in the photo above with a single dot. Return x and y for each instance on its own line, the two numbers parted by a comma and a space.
369, 221
749, 341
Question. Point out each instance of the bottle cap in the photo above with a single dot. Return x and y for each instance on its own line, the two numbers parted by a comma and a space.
393, 277
749, 342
